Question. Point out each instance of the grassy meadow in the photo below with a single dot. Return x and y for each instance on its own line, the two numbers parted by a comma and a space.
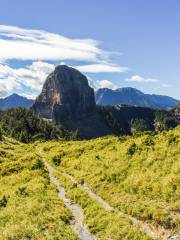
29, 204
138, 176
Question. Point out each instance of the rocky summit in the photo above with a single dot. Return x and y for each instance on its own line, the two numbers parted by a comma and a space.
67, 91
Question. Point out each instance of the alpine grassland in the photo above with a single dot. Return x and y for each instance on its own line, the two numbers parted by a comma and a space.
137, 175
29, 204
124, 185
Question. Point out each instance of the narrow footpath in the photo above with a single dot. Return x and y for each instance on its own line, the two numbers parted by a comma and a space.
77, 223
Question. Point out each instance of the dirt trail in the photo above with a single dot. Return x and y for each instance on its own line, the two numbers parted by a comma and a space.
149, 229
93, 195
77, 224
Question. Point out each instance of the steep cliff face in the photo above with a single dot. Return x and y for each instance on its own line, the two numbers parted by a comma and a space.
65, 90
67, 99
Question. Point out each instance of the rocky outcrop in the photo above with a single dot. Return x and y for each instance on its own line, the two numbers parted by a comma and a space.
120, 117
67, 99
65, 90
176, 112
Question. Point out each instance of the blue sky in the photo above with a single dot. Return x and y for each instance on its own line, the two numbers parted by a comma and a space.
115, 43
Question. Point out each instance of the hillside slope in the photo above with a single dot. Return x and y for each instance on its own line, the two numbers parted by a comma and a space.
137, 175
26, 126
32, 208
29, 204
120, 188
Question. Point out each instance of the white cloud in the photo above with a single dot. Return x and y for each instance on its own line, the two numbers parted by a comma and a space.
93, 83
28, 44
29, 96
107, 84
96, 84
101, 68
42, 66
38, 47
8, 81
32, 77
165, 85
137, 78
8, 85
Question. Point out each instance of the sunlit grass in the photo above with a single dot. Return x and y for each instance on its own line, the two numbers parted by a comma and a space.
138, 175
29, 205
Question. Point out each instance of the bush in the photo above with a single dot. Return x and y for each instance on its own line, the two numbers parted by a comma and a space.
3, 201
172, 139
21, 191
132, 149
26, 126
37, 164
148, 141
56, 160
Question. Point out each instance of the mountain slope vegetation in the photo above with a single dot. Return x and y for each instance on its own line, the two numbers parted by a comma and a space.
29, 205
26, 126
128, 187
138, 175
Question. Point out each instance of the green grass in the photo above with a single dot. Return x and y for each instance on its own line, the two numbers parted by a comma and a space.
138, 175
29, 205
102, 223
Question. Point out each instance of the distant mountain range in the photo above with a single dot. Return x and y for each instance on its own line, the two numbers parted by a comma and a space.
132, 96
14, 101
105, 96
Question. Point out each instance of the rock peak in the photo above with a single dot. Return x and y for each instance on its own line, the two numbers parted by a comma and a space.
65, 90
64, 67
67, 69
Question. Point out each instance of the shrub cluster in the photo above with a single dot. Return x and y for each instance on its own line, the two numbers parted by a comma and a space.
26, 126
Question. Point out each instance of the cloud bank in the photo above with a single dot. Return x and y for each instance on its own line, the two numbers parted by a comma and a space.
38, 47
31, 78
28, 44
102, 68
137, 78
106, 84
